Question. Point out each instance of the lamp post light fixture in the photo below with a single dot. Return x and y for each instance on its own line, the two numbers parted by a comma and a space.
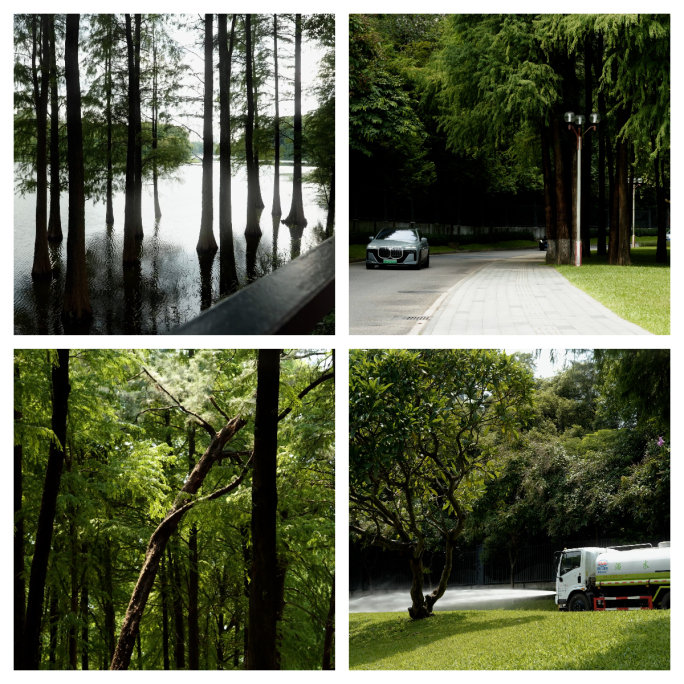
636, 183
575, 123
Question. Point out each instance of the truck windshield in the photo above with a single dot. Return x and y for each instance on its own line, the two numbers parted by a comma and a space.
571, 561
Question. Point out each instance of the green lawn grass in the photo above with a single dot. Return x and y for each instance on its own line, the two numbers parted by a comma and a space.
639, 293
533, 637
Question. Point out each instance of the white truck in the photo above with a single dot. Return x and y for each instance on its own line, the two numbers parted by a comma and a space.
633, 577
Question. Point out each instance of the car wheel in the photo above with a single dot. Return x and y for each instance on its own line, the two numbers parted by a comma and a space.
427, 261
665, 603
370, 267
579, 602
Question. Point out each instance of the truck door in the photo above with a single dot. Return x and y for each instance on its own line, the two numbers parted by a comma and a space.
568, 572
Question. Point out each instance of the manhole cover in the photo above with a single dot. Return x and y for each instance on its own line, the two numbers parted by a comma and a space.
415, 318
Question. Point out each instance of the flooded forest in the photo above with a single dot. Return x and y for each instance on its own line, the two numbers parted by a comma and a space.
164, 162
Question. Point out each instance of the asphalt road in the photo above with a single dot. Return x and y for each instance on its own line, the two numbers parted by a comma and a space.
387, 301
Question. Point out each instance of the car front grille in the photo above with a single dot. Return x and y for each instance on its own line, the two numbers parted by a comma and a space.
390, 252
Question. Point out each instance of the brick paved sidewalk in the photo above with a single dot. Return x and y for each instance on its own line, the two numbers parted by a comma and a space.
520, 296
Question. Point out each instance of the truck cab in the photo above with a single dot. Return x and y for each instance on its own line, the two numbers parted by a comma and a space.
575, 573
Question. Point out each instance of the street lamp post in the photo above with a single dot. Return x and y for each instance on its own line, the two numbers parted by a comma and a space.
636, 183
575, 123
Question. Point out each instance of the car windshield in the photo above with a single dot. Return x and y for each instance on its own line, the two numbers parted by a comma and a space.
397, 234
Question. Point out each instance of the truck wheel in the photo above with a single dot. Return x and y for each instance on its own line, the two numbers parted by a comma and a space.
579, 602
665, 603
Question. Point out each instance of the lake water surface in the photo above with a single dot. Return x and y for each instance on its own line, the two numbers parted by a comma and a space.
171, 285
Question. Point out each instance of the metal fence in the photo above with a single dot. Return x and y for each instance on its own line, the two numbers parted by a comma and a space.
371, 568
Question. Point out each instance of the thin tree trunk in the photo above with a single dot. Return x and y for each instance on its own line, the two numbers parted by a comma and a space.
329, 630
261, 654
257, 181
661, 248
19, 583
76, 295
549, 203
564, 251
602, 205
587, 146
207, 241
276, 210
165, 614
193, 574
55, 221
53, 619
614, 235
108, 85
437, 594
41, 255
178, 617
253, 229
130, 252
73, 605
165, 529
623, 257
225, 208
108, 601
296, 215
48, 504
137, 153
155, 123
85, 614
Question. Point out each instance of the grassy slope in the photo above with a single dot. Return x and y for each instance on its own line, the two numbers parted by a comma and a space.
535, 637
640, 293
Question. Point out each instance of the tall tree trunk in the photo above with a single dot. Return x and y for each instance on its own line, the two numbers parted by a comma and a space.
329, 630
549, 202
73, 605
261, 654
55, 221
19, 583
41, 255
165, 614
53, 620
253, 229
155, 124
564, 251
207, 241
193, 574
178, 617
259, 202
296, 215
661, 207
48, 504
276, 209
85, 613
108, 600
602, 205
108, 86
137, 152
614, 234
587, 147
623, 258
130, 251
225, 59
76, 295
165, 529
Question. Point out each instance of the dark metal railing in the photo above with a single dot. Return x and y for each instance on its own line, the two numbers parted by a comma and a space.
288, 301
